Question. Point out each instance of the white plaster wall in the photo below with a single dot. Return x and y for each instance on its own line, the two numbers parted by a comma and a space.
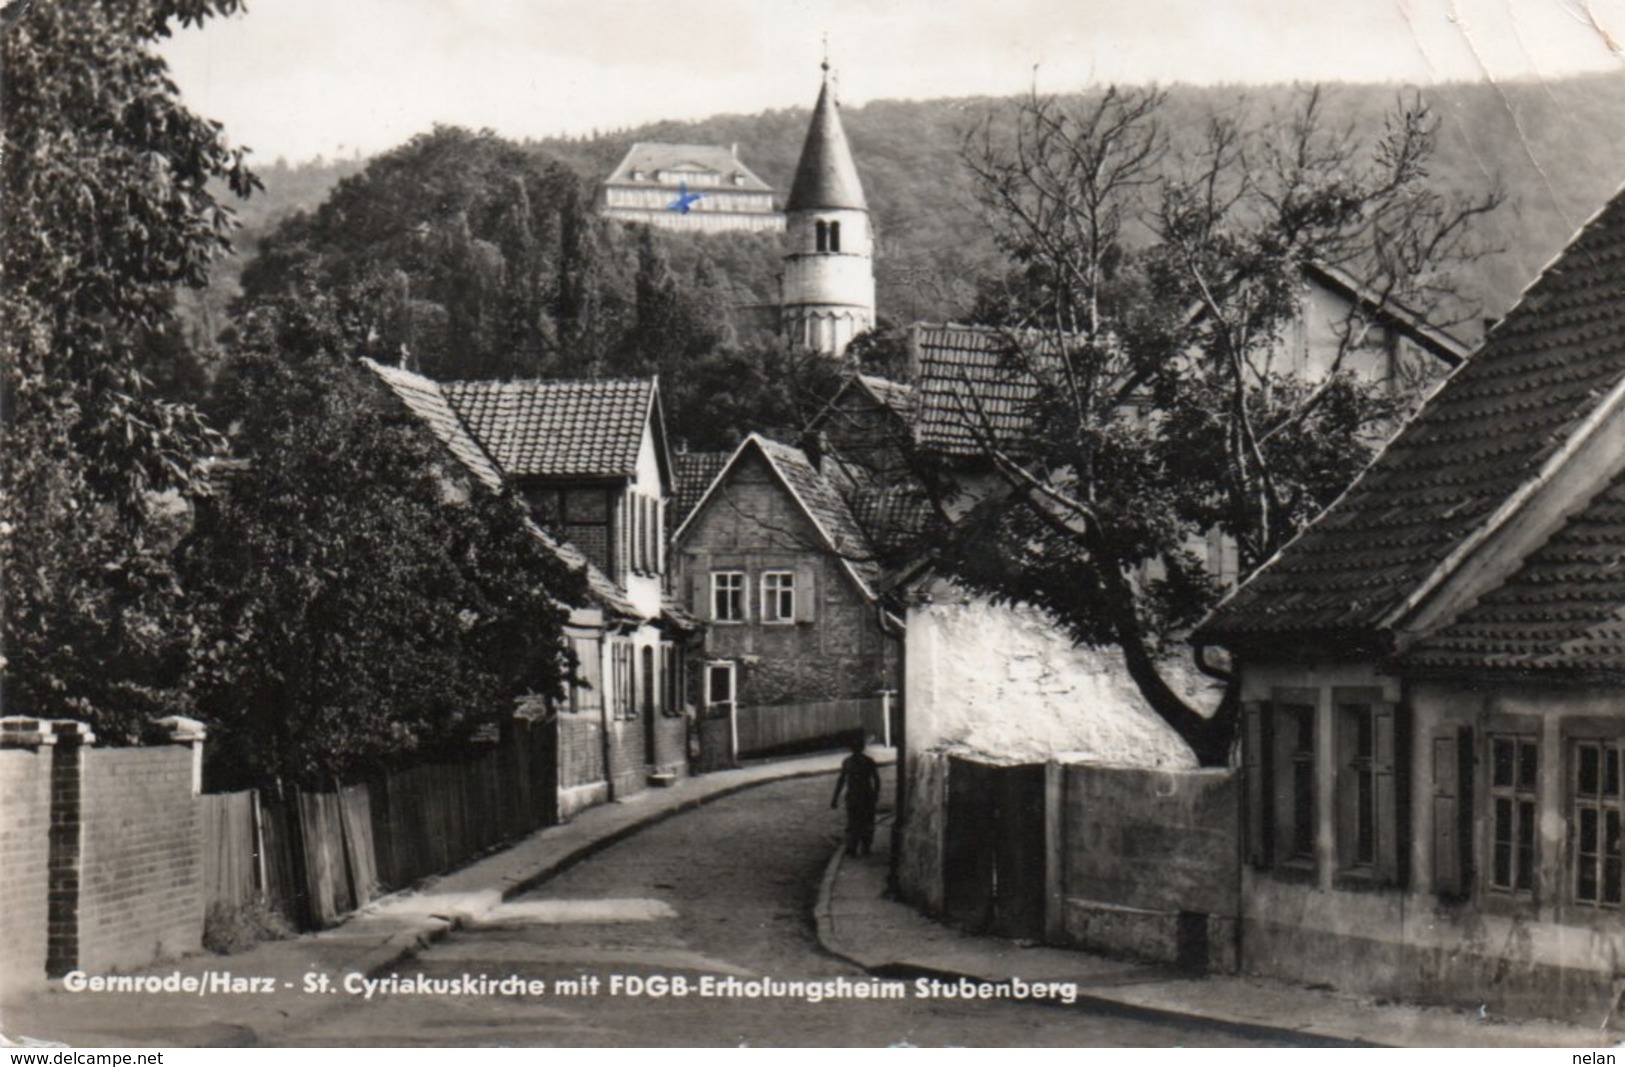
1006, 683
641, 589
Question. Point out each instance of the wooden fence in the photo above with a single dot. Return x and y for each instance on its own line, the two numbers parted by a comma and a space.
316, 856
762, 729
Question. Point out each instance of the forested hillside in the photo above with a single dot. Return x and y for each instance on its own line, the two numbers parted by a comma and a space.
1550, 145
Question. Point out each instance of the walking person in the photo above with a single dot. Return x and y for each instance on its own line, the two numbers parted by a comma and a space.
860, 777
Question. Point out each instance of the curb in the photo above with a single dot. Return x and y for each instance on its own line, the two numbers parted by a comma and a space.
824, 914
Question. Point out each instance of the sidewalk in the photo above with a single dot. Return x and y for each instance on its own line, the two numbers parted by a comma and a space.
857, 923
372, 940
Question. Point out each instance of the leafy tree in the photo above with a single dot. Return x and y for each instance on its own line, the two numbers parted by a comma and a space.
365, 601
1149, 298
461, 230
108, 209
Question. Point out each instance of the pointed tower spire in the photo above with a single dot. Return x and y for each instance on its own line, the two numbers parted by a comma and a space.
827, 291
826, 177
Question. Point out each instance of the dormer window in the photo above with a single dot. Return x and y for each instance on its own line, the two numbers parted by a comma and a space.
640, 176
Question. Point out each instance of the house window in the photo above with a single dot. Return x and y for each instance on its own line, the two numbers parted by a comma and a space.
1295, 793
1360, 793
728, 596
779, 596
1279, 753
1598, 805
1514, 762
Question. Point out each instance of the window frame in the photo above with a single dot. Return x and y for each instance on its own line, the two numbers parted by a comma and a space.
1604, 804
1522, 803
741, 591
772, 601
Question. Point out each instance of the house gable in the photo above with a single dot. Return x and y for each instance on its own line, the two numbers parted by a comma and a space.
1521, 434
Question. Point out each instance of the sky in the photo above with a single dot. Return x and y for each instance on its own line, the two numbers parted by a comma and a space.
303, 78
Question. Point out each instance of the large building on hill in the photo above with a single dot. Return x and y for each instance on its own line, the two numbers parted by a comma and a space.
828, 289
689, 188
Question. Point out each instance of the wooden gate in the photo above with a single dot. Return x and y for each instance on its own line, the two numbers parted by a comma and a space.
993, 848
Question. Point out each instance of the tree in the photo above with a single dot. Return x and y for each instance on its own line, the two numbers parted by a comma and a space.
108, 210
365, 602
1148, 298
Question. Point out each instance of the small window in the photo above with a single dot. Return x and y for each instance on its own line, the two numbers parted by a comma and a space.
834, 237
1598, 803
728, 596
1514, 764
1295, 827
822, 228
779, 596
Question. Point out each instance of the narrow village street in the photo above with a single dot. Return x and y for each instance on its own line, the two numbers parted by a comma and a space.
725, 890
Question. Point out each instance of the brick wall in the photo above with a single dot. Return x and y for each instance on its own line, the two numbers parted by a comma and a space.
581, 750
25, 820
141, 865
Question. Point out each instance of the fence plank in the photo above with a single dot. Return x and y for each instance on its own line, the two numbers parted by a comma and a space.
360, 854
229, 875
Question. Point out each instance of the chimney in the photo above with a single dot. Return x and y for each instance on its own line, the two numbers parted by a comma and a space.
734, 148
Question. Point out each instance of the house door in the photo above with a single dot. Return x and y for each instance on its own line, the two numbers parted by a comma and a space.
719, 718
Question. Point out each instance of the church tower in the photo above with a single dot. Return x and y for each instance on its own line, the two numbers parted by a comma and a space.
828, 294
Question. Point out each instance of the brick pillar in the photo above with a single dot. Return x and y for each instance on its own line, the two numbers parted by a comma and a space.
179, 730
62, 917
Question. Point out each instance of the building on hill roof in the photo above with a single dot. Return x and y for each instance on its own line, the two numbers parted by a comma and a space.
689, 189
1431, 676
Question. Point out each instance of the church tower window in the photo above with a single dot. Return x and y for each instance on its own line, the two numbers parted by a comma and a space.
834, 237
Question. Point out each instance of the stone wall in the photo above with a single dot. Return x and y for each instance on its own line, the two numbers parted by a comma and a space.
25, 801
141, 865
1146, 862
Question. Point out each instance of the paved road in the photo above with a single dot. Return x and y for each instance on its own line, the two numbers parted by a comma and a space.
723, 891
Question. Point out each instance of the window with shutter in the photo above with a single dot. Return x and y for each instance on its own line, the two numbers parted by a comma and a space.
1293, 779
1369, 823
806, 595
1452, 811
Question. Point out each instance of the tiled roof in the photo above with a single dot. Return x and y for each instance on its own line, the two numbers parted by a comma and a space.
826, 176
651, 157
824, 506
896, 396
692, 475
423, 397
1485, 434
556, 428
970, 388
1564, 609
893, 518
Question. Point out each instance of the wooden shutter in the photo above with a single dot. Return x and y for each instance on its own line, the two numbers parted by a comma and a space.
1256, 769
1387, 755
591, 654
806, 595
1452, 811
